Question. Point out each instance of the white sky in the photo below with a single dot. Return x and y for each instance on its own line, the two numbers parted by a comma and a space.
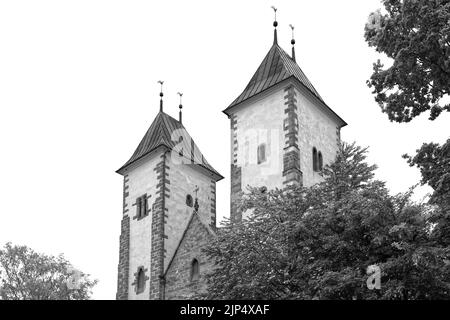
78, 91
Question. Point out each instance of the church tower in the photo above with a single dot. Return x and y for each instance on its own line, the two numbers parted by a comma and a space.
282, 131
167, 186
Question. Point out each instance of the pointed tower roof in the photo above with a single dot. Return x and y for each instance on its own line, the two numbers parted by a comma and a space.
276, 67
160, 134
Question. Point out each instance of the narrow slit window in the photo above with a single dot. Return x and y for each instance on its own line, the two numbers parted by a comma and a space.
139, 207
320, 161
140, 281
315, 160
189, 201
195, 270
261, 153
143, 206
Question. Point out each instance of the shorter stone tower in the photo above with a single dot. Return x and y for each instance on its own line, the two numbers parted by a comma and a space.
169, 189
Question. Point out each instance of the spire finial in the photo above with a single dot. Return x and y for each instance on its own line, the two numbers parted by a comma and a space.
275, 24
181, 105
161, 94
293, 42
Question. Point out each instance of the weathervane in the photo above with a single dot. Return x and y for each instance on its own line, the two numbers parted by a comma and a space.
275, 11
275, 24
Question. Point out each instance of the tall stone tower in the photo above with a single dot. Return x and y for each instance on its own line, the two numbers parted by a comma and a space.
282, 131
167, 187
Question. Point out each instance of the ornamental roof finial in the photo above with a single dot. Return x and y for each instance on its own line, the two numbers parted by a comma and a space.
275, 24
161, 94
292, 42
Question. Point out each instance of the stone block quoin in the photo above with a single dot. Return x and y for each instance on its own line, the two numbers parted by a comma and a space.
236, 173
124, 259
124, 247
291, 157
213, 204
159, 215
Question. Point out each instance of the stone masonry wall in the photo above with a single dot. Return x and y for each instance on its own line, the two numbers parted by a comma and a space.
158, 231
258, 123
185, 179
316, 129
178, 276
141, 180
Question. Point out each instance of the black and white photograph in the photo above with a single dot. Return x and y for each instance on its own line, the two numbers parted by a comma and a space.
198, 151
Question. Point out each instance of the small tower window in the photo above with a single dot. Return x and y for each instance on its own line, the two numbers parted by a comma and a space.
315, 159
141, 207
189, 201
320, 164
261, 153
138, 207
140, 280
195, 270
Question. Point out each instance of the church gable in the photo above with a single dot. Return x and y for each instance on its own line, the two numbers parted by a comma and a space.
185, 276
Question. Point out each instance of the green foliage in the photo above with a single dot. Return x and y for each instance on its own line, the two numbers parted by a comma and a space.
317, 242
433, 161
27, 275
415, 35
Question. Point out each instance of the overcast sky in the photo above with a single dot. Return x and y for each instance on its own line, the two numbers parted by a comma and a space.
78, 90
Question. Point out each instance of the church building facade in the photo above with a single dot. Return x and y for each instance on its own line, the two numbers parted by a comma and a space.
281, 132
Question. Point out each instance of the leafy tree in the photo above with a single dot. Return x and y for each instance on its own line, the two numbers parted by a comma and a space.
317, 242
433, 161
415, 35
27, 275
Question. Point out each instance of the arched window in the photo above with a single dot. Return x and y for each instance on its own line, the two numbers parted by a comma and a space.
140, 281
315, 160
189, 201
320, 161
195, 270
261, 153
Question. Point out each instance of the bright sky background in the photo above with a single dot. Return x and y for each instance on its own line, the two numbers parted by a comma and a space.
78, 91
